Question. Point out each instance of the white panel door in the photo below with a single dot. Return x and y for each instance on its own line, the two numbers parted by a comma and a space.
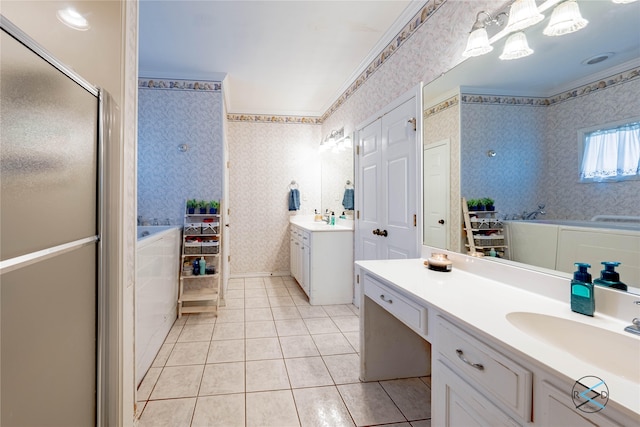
436, 195
388, 182
371, 182
399, 139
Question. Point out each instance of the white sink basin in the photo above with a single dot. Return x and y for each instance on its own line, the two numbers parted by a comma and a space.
617, 353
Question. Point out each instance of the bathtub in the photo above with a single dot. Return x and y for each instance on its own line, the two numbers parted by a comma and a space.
156, 291
557, 245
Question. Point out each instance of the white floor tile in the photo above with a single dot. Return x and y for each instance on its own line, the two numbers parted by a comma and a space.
229, 315
192, 333
271, 409
178, 381
263, 349
311, 311
344, 368
298, 346
262, 329
228, 331
291, 327
220, 411
338, 310
307, 372
222, 378
285, 313
257, 314
168, 413
321, 326
226, 351
332, 344
147, 384
369, 404
321, 407
347, 323
264, 375
189, 353
411, 395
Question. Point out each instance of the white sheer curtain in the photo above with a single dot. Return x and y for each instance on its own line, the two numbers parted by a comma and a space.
612, 154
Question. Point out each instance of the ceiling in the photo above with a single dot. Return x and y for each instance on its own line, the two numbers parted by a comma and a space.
278, 57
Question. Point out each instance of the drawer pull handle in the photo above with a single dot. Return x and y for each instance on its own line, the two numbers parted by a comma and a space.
460, 354
390, 301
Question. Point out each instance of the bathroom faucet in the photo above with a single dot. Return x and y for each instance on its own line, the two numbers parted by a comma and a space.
634, 328
534, 214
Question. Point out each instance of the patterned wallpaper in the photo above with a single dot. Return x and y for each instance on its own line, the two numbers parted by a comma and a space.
515, 133
265, 158
169, 116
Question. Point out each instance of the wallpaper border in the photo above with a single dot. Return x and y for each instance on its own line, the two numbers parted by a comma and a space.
442, 106
583, 90
177, 84
265, 118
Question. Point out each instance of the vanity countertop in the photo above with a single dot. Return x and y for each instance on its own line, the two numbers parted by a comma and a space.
307, 223
484, 303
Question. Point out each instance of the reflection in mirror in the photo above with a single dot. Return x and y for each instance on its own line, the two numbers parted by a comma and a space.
529, 113
336, 169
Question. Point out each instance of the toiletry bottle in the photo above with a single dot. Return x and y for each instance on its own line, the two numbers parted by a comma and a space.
196, 267
203, 266
492, 252
333, 218
609, 277
582, 297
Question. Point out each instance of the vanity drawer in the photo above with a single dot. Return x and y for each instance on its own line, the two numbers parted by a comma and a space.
496, 376
409, 312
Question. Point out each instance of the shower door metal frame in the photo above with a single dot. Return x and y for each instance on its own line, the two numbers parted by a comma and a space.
102, 306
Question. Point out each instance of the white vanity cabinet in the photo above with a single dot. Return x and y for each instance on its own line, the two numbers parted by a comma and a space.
415, 322
322, 262
475, 378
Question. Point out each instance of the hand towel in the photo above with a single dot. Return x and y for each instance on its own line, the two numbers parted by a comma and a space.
294, 199
347, 199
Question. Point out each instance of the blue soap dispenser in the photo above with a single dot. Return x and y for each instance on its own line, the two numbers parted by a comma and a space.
609, 277
582, 297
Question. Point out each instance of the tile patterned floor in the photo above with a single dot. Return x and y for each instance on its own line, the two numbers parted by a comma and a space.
271, 359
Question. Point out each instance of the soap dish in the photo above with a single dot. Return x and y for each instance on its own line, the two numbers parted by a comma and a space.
439, 262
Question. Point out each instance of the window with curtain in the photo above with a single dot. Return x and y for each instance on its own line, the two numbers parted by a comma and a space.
611, 154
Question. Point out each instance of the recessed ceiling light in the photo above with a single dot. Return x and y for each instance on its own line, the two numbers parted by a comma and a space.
597, 58
72, 19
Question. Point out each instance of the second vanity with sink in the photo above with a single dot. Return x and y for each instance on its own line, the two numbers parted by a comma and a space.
501, 344
322, 259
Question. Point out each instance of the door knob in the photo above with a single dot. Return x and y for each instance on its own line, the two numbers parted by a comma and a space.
441, 221
383, 233
376, 231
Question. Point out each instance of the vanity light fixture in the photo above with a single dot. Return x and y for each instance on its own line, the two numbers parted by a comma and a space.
336, 141
565, 19
523, 14
516, 47
478, 41
73, 19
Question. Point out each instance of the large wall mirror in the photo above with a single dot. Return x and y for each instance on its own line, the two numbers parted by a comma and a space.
336, 167
511, 131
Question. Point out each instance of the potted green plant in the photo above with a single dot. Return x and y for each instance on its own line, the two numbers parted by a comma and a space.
214, 205
488, 204
473, 204
202, 204
192, 204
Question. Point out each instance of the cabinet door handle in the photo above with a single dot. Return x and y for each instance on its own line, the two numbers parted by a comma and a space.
390, 301
460, 354
383, 233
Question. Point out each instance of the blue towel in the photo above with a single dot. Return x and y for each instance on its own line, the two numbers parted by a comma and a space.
347, 199
294, 199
